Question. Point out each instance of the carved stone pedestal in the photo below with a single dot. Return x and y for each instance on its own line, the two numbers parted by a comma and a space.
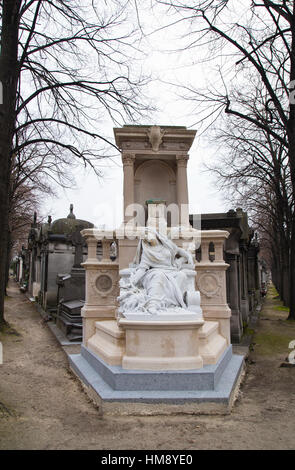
161, 345
108, 342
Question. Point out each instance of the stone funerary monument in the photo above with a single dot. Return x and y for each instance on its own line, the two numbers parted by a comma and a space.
56, 280
156, 323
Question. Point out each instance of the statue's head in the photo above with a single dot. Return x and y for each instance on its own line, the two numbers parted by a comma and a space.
150, 237
150, 241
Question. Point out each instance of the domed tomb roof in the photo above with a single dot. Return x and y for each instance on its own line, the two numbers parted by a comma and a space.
69, 224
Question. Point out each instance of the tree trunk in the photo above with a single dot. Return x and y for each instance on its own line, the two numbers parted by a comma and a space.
273, 268
8, 260
292, 273
8, 78
283, 247
291, 155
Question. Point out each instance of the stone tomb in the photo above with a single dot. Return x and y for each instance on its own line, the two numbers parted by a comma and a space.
52, 253
71, 292
138, 356
56, 278
241, 254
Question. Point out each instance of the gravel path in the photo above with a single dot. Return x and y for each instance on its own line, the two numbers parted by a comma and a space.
42, 406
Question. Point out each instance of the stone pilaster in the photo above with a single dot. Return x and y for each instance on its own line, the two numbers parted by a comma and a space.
102, 287
244, 283
182, 188
128, 184
234, 297
211, 281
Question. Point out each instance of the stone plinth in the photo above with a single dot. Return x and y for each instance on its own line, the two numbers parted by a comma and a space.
211, 280
118, 378
101, 282
211, 343
161, 345
108, 342
117, 391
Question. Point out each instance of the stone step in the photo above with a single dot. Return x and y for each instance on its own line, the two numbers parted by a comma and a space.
211, 343
150, 393
108, 342
110, 327
118, 378
208, 329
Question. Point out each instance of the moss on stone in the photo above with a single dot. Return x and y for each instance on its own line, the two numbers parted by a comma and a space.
282, 308
270, 343
7, 329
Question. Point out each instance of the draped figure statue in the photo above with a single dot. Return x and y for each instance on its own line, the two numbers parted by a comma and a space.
161, 279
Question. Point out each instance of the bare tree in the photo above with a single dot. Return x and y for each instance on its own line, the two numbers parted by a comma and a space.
30, 179
252, 167
257, 39
8, 80
22, 204
64, 70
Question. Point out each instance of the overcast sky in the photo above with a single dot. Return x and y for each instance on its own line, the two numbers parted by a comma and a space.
100, 201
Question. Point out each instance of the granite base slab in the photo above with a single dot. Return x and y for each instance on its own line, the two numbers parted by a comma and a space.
227, 375
118, 378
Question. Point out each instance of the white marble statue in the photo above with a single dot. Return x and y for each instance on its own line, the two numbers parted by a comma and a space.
161, 279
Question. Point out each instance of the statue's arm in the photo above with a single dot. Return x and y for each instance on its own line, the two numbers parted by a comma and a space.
136, 277
186, 254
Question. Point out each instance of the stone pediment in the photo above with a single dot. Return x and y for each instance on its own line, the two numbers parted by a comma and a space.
154, 139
